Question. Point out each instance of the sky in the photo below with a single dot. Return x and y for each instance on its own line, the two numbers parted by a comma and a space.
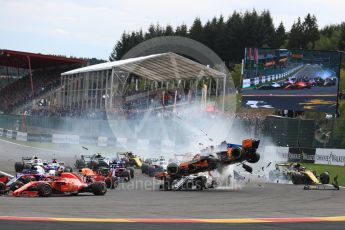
85, 28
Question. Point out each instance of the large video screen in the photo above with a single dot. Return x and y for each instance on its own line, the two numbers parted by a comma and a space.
300, 80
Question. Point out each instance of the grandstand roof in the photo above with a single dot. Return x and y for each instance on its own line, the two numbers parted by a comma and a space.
158, 67
19, 59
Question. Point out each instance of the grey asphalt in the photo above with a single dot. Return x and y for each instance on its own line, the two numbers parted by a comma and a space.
140, 198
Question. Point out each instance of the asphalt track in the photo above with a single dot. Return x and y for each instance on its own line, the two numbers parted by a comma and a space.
139, 204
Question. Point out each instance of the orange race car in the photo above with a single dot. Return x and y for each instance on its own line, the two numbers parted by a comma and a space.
216, 158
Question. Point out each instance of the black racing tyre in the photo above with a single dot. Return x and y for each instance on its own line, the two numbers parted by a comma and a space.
131, 171
324, 178
18, 166
16, 185
68, 169
44, 190
151, 171
127, 175
99, 188
2, 188
295, 179
109, 182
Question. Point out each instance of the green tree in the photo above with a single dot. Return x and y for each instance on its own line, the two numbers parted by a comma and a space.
296, 36
169, 31
310, 31
341, 43
181, 30
196, 31
267, 28
279, 36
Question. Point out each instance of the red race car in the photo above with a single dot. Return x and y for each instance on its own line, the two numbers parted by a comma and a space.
65, 183
3, 181
102, 174
298, 85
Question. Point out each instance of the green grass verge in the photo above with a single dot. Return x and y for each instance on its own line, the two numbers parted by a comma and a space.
332, 169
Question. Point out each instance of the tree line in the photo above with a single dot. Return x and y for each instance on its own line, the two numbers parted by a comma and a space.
229, 36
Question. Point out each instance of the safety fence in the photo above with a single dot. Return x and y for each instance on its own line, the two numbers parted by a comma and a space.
130, 144
306, 155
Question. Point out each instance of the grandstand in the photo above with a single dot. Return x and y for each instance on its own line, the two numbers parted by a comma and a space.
37, 76
158, 81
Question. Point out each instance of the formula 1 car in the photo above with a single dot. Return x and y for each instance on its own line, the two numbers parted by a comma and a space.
153, 166
120, 171
3, 181
177, 177
298, 175
133, 160
272, 85
27, 163
102, 174
298, 85
92, 161
65, 183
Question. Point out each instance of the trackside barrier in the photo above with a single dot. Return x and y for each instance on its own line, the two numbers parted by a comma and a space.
307, 155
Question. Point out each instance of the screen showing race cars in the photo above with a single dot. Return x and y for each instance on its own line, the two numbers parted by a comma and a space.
300, 80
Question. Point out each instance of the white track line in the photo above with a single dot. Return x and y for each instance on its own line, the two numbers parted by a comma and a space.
26, 146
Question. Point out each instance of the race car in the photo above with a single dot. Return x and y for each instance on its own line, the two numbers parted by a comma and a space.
65, 183
133, 160
102, 174
27, 163
92, 161
3, 181
298, 85
272, 85
177, 175
297, 175
119, 170
55, 165
152, 166
36, 173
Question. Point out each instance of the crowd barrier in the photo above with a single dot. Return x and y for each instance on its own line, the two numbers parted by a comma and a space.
131, 144
305, 155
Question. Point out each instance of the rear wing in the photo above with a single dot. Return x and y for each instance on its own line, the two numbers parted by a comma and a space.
27, 158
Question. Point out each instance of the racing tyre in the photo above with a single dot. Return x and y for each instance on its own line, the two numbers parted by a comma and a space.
44, 190
68, 169
99, 188
126, 174
2, 188
109, 183
151, 171
324, 178
131, 170
16, 185
18, 166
